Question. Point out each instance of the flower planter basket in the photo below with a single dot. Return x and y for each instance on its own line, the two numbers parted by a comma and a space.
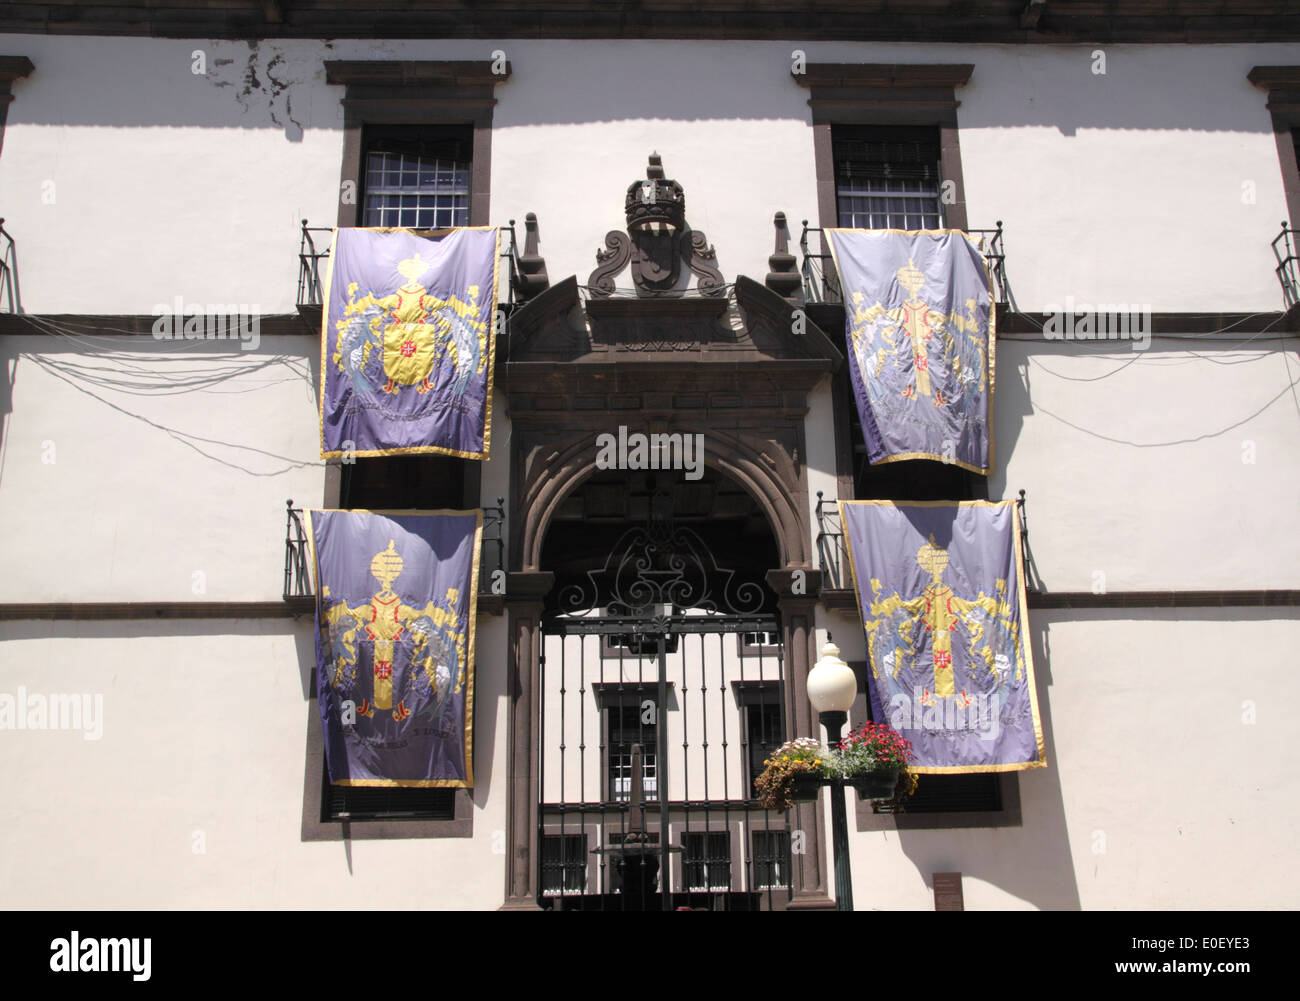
875, 785
804, 788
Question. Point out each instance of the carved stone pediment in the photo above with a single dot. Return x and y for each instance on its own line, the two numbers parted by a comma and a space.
754, 325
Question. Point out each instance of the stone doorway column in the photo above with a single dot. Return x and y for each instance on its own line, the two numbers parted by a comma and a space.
525, 594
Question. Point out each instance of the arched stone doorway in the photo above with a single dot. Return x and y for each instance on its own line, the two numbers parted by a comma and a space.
729, 370
661, 692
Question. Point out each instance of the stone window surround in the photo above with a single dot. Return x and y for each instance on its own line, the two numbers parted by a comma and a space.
1283, 86
402, 92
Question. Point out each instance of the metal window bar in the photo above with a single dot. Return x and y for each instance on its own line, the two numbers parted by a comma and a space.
898, 203
622, 737
676, 809
771, 860
415, 191
313, 249
707, 862
8, 272
564, 864
821, 284
1286, 264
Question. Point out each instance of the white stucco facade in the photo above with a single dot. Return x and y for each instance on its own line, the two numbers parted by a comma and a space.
152, 471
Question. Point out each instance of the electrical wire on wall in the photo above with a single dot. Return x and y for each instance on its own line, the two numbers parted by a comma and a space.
174, 373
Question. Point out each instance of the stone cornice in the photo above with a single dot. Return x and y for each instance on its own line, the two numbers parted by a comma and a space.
449, 74
13, 68
959, 21
884, 75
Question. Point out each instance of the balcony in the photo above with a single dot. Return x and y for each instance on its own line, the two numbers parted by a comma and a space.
821, 285
297, 571
525, 273
8, 272
1284, 249
833, 558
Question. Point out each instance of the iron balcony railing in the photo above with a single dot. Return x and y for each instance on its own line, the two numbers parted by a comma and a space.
314, 251
821, 284
8, 272
297, 575
830, 544
1284, 249
832, 555
297, 578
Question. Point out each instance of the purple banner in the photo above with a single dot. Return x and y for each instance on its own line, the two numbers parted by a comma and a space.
395, 644
941, 595
919, 319
406, 343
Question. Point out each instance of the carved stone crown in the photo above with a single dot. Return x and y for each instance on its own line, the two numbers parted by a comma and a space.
657, 243
655, 204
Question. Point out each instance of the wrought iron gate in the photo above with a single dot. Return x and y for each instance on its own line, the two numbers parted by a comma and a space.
662, 693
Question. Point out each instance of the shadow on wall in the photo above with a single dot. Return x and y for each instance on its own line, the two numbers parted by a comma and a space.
1011, 405
280, 84
1033, 862
6, 407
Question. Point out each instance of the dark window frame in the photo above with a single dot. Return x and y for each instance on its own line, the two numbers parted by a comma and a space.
873, 153
1283, 86
382, 93
628, 695
873, 95
692, 861
360, 828
418, 94
12, 68
438, 142
760, 695
649, 751
904, 96
565, 866
784, 858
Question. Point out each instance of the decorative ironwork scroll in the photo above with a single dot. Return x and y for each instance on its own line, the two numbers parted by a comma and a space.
658, 569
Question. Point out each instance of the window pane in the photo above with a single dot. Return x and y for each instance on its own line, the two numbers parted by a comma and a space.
564, 864
771, 859
707, 862
625, 729
887, 177
433, 192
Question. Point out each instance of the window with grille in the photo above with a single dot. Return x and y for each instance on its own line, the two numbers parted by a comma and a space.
707, 861
887, 177
771, 860
628, 726
978, 793
564, 864
754, 641
417, 178
763, 732
352, 803
394, 482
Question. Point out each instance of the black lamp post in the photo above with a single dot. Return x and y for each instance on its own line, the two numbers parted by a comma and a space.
832, 687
